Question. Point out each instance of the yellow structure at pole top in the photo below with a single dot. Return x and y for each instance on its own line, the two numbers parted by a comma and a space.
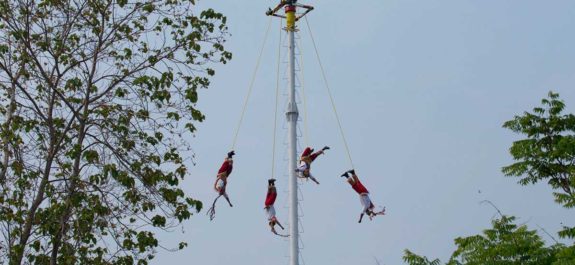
290, 12
290, 17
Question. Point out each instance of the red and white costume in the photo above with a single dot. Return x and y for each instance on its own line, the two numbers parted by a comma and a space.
223, 174
221, 183
269, 203
305, 161
363, 193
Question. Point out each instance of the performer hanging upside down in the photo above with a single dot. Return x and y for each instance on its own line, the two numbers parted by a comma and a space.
307, 157
221, 183
368, 207
269, 206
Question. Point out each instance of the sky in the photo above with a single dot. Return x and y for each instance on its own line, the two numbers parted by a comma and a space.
422, 89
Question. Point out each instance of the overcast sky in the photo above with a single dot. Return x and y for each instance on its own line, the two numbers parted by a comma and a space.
422, 89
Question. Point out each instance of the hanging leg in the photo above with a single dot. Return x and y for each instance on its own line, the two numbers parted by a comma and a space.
366, 203
307, 175
370, 212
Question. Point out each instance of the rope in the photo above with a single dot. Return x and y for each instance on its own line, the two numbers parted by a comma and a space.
305, 127
329, 92
276, 106
251, 85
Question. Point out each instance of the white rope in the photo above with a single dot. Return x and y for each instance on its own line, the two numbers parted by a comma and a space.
329, 92
276, 105
251, 85
305, 116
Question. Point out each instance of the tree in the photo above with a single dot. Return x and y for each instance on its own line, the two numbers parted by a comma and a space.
414, 259
98, 97
504, 244
548, 152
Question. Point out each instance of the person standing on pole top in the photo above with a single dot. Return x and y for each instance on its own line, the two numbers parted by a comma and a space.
368, 207
307, 157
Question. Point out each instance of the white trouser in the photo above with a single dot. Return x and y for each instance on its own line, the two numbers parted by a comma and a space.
365, 202
302, 166
270, 212
220, 185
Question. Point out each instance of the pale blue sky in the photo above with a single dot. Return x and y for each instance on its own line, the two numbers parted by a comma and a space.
422, 89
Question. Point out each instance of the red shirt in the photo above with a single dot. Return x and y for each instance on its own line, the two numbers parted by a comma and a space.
358, 187
271, 197
226, 167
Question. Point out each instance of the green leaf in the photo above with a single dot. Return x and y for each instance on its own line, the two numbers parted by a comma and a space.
91, 156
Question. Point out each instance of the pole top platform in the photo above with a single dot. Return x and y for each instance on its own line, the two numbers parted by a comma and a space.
290, 7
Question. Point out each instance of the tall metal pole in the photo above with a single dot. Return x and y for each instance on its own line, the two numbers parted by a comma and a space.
292, 117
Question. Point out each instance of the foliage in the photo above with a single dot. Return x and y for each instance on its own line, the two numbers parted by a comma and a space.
503, 244
97, 98
414, 259
548, 152
565, 256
